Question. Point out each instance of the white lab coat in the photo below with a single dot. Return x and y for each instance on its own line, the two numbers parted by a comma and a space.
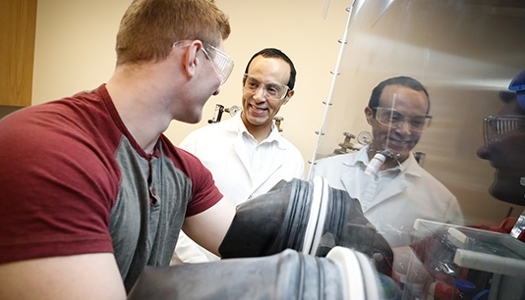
396, 198
242, 168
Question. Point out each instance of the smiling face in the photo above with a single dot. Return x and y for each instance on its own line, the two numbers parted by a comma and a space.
401, 139
259, 111
505, 154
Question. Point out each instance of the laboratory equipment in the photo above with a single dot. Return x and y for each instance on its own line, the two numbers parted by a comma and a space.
472, 261
343, 274
307, 216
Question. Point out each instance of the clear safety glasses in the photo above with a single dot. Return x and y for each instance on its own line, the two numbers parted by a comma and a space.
394, 119
223, 64
272, 91
497, 127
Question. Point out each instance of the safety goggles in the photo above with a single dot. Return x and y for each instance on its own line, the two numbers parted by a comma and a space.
394, 119
497, 127
223, 64
272, 90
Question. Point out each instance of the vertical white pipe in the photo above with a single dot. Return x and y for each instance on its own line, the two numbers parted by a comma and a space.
335, 73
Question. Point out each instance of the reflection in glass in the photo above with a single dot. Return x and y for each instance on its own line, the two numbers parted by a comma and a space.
464, 52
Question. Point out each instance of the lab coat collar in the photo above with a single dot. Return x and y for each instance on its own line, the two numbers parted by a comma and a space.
240, 150
355, 182
409, 167
273, 137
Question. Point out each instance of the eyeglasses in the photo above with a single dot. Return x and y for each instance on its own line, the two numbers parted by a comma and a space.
392, 118
272, 91
496, 127
222, 62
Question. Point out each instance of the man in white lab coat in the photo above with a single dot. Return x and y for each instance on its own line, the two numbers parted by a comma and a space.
394, 190
246, 154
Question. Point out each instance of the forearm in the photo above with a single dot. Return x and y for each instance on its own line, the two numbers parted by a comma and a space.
86, 276
209, 227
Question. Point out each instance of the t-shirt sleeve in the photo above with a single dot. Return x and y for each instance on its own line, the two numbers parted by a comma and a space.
205, 193
41, 213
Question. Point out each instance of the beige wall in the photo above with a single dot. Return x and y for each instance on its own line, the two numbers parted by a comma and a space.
74, 51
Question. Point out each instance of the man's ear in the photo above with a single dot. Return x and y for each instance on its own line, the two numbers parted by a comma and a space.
243, 82
189, 58
290, 94
369, 115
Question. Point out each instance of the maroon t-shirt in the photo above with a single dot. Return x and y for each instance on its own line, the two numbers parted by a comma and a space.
73, 180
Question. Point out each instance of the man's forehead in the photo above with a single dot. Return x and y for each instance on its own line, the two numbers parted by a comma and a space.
401, 92
264, 68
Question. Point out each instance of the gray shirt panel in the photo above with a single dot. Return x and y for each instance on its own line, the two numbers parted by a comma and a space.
149, 211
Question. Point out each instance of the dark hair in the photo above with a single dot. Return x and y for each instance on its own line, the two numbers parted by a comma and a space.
276, 53
400, 80
507, 96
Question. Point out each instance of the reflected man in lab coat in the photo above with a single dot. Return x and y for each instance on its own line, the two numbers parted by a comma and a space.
396, 192
246, 154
